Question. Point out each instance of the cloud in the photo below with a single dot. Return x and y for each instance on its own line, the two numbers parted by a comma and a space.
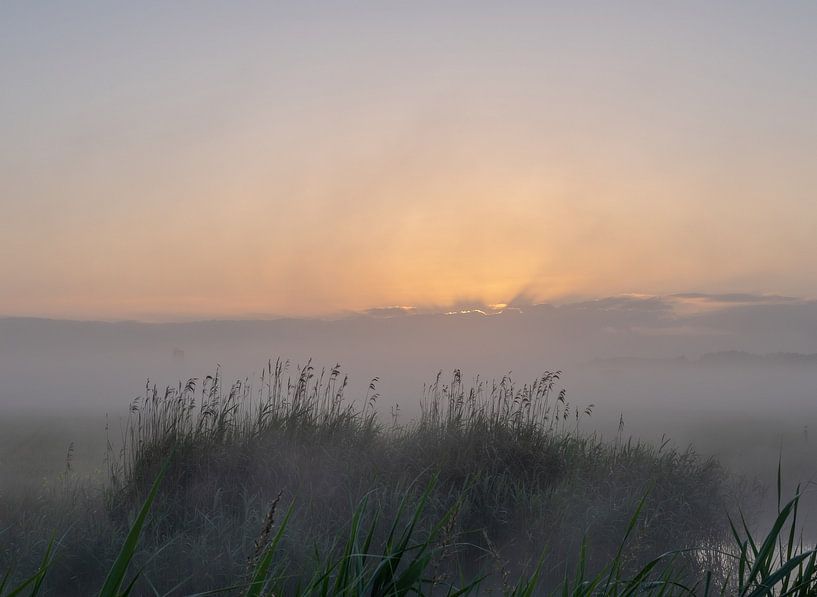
394, 311
735, 298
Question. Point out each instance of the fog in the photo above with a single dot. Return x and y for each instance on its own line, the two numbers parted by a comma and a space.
735, 376
686, 366
610, 205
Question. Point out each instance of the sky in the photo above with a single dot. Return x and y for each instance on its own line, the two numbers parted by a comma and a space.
227, 159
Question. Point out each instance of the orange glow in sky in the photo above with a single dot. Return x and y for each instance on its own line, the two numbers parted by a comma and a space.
290, 161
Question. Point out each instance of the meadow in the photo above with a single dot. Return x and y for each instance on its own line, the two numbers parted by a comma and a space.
283, 485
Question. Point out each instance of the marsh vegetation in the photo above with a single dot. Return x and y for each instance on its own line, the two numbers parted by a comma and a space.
282, 485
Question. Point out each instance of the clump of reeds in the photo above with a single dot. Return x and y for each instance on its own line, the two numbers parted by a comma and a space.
202, 414
777, 564
505, 467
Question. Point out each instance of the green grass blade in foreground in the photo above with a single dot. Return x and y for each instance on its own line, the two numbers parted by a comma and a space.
615, 565
525, 587
38, 583
763, 557
116, 575
36, 580
348, 565
768, 584
22, 586
386, 579
259, 577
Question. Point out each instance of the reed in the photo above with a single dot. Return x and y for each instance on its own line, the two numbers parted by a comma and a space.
493, 487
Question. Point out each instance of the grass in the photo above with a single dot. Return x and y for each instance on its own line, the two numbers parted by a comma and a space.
493, 489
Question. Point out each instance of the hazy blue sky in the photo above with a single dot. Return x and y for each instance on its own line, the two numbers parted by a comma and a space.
205, 158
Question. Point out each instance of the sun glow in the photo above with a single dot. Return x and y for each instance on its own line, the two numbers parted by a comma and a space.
387, 173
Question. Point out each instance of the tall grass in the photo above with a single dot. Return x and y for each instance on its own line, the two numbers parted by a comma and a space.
777, 565
494, 487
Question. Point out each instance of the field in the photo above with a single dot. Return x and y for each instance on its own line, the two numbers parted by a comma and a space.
285, 486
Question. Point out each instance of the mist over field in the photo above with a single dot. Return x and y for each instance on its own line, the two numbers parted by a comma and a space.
689, 367
390, 299
693, 396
